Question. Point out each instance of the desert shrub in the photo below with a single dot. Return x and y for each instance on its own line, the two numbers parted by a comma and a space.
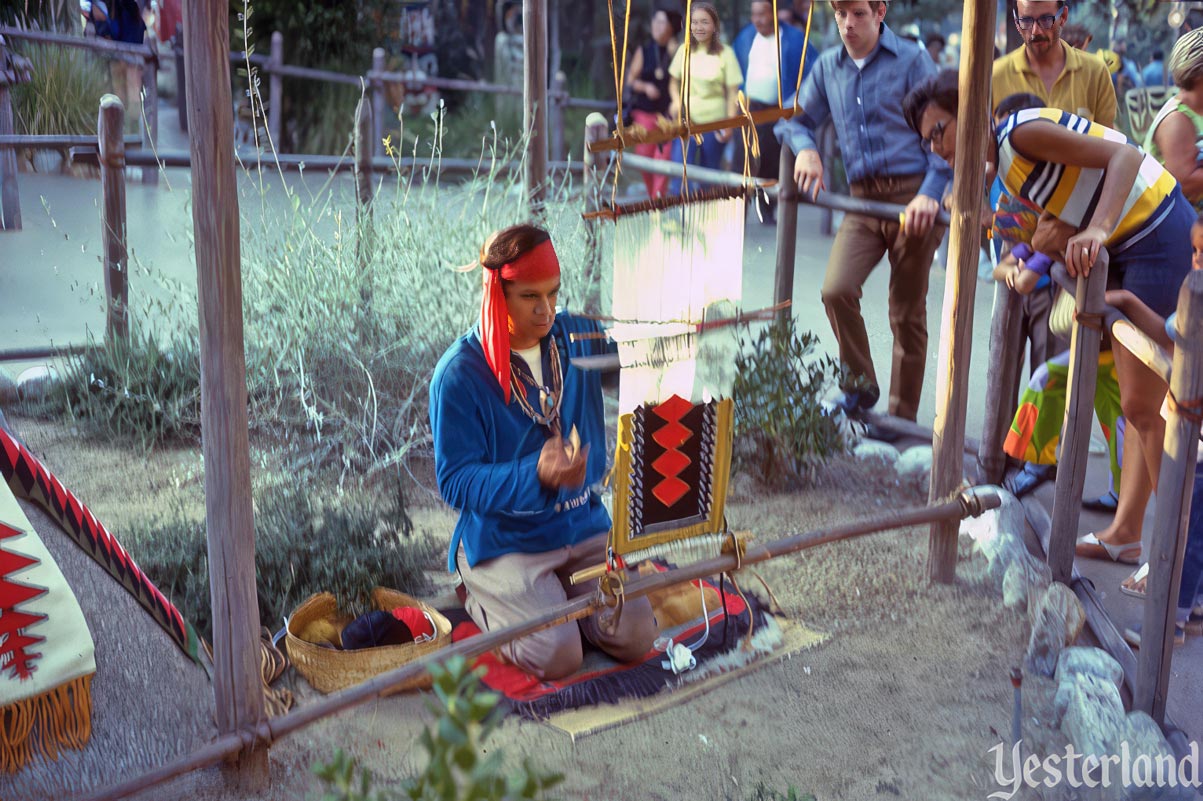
763, 792
305, 542
459, 767
64, 94
136, 389
783, 435
344, 320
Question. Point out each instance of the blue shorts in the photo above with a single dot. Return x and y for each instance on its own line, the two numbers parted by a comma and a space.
1152, 264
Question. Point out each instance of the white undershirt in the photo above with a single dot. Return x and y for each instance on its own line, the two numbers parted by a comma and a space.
761, 79
534, 360
860, 62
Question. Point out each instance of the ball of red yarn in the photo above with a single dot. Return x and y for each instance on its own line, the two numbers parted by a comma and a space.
417, 621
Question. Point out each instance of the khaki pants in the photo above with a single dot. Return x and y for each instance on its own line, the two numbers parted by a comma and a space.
859, 244
515, 587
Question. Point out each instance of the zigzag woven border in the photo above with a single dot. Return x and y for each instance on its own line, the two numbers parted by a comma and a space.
29, 479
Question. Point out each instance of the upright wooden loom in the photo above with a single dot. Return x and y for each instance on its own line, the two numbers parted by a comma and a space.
678, 278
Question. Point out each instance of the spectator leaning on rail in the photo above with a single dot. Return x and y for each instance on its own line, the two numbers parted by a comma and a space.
1060, 75
756, 50
860, 85
1115, 195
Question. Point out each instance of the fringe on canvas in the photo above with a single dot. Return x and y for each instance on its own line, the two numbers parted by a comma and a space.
42, 725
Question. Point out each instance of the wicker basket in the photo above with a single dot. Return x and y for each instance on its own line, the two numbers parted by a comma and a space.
329, 670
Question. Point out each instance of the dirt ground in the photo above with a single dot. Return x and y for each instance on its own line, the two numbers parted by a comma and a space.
904, 700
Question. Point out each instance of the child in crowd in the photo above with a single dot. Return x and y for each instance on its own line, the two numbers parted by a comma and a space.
1189, 617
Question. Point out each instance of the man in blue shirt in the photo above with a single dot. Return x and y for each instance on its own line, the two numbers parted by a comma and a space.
860, 85
756, 50
1154, 72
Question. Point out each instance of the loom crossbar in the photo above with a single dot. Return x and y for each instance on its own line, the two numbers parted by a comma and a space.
661, 135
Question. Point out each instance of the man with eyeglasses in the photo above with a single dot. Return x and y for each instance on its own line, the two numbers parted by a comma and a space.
860, 85
1060, 75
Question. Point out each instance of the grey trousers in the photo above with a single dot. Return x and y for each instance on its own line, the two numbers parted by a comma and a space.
515, 587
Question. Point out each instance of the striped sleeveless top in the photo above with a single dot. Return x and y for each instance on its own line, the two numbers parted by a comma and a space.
1071, 193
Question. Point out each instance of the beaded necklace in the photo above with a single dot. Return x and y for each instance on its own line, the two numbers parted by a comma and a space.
549, 397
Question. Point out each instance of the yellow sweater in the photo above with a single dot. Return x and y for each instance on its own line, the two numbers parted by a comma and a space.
710, 75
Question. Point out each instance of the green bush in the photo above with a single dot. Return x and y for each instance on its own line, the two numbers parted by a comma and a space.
305, 542
762, 792
782, 433
136, 390
63, 97
459, 767
344, 320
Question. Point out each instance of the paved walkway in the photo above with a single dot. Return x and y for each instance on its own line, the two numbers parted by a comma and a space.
51, 280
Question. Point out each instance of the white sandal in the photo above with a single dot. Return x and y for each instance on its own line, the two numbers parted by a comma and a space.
1139, 574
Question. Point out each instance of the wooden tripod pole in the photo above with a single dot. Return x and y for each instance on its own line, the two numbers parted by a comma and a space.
237, 689
956, 329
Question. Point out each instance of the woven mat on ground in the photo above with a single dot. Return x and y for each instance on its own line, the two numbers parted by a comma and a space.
605, 693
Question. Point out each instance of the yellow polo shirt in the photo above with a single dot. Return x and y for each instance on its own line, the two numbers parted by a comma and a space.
1084, 87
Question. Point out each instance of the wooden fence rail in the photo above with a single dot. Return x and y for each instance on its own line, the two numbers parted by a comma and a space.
143, 78
971, 502
1174, 484
1150, 681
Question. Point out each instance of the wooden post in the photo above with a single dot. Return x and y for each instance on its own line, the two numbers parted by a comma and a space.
956, 330
596, 129
237, 689
1175, 482
787, 232
559, 93
150, 113
364, 133
1006, 361
275, 89
10, 198
378, 101
111, 128
534, 102
1075, 431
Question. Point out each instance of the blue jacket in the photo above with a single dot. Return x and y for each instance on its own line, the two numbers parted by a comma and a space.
485, 452
792, 42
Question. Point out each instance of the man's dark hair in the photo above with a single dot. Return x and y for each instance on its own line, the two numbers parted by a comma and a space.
509, 243
1015, 6
1158, 55
675, 22
933, 38
873, 4
940, 89
1017, 102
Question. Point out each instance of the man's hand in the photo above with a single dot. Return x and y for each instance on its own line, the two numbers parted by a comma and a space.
808, 173
562, 465
650, 91
920, 215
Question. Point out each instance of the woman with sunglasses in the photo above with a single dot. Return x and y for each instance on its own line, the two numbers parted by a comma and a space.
1048, 67
1115, 195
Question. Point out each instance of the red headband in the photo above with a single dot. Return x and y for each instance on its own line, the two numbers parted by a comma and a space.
537, 264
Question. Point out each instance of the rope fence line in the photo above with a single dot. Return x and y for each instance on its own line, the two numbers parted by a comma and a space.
971, 502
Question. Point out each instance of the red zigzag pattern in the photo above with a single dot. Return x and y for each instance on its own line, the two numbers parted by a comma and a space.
15, 656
